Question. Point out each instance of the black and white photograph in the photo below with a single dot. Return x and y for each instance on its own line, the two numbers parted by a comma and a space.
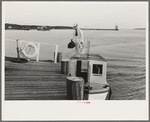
66, 60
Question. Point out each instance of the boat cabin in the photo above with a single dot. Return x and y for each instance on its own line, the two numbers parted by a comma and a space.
92, 69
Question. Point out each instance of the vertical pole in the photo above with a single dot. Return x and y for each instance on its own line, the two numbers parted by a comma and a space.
21, 47
56, 52
18, 49
88, 49
38, 53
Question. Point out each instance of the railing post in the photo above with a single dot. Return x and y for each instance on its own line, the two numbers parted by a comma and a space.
56, 52
38, 53
88, 49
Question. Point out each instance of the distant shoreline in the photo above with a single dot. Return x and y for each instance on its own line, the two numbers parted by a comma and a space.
45, 28
9, 26
140, 29
98, 29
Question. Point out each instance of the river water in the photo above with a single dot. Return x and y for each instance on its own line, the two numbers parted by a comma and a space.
124, 50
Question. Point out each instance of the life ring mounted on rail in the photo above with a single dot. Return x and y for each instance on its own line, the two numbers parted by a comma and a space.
27, 52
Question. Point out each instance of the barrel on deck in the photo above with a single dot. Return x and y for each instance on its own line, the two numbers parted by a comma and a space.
75, 87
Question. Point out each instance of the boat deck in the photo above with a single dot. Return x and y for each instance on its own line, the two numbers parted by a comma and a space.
34, 81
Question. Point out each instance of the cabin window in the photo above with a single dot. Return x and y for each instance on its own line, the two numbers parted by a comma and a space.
97, 69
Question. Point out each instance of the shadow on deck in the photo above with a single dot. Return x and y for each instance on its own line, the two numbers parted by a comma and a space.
34, 81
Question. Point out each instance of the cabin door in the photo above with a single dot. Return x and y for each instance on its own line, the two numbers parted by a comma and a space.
97, 72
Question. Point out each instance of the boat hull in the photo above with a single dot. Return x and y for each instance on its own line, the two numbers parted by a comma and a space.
97, 92
101, 96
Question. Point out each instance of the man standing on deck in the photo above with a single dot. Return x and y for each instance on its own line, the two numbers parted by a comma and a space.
78, 39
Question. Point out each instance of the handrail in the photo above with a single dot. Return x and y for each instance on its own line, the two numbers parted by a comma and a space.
38, 46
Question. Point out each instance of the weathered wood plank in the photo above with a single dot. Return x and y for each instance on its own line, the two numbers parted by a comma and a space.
34, 81
32, 73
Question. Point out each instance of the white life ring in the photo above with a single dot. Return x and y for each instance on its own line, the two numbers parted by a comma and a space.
35, 50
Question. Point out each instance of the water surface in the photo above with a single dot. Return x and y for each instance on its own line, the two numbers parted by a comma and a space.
124, 50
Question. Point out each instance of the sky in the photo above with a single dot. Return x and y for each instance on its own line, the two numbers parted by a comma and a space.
127, 15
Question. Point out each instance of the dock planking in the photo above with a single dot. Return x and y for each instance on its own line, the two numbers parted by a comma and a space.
34, 81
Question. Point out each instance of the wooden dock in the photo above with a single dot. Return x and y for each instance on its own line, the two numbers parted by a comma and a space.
34, 81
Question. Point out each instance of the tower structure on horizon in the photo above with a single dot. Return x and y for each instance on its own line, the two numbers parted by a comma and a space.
116, 27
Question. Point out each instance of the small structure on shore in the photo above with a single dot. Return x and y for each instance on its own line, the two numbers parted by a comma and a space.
42, 28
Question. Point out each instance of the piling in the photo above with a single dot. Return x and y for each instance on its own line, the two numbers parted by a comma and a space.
75, 87
65, 66
59, 57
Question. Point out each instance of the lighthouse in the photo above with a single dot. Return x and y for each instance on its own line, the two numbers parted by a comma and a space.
116, 27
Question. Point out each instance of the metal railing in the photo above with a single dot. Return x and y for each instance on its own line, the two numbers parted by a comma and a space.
38, 47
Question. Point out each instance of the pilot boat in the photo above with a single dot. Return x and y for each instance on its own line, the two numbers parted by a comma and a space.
93, 69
